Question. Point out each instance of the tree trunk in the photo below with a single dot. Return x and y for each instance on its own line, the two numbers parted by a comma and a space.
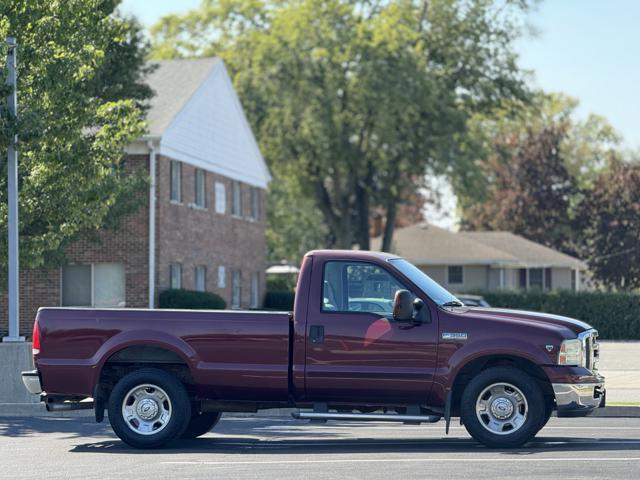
390, 225
362, 224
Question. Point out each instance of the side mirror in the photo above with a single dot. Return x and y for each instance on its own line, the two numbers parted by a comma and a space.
403, 306
420, 314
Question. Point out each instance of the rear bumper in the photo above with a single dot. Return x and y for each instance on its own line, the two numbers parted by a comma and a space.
31, 380
578, 399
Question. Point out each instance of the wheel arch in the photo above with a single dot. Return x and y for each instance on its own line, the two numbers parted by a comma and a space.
479, 364
132, 352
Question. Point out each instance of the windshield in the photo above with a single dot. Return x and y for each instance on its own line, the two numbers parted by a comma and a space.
424, 282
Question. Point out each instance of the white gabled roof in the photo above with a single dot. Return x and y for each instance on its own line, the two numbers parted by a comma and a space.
198, 119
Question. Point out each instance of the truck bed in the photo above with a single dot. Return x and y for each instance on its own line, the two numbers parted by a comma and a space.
239, 355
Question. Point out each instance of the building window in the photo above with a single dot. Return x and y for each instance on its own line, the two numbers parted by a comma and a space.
236, 199
221, 198
255, 204
175, 275
176, 181
547, 279
522, 278
94, 285
536, 278
236, 289
201, 278
455, 275
255, 290
201, 192
222, 277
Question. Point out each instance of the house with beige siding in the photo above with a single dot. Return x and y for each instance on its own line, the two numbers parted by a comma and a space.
468, 261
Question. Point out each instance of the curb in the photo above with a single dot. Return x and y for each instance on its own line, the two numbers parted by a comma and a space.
617, 411
37, 410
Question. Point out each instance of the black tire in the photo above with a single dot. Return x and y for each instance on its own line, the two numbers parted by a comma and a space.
168, 428
535, 408
548, 411
200, 424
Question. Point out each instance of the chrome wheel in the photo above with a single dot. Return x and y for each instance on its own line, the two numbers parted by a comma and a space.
502, 408
146, 409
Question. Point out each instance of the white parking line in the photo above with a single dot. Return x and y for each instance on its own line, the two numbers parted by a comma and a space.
406, 460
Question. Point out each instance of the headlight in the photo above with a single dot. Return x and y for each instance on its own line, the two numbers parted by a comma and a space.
571, 353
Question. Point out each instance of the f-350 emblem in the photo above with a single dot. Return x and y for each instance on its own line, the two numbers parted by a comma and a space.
454, 336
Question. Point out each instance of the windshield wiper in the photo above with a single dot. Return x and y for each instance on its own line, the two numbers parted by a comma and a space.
452, 303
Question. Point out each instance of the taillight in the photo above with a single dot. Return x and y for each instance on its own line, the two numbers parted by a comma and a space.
36, 338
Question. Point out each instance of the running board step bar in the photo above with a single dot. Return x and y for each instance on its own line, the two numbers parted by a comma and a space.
366, 417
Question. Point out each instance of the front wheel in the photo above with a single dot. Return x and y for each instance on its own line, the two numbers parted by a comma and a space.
200, 424
548, 411
502, 407
149, 408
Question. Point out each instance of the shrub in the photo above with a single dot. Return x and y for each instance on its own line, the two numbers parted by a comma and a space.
280, 283
279, 300
191, 299
616, 316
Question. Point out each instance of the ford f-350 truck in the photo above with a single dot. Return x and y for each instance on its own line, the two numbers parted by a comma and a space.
371, 337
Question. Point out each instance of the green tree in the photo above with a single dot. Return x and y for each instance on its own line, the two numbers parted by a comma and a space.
586, 145
353, 100
530, 191
81, 93
608, 221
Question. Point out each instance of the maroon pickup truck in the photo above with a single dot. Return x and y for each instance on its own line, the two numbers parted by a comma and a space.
371, 337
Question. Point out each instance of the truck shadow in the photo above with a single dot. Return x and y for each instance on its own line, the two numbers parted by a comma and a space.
256, 446
269, 436
69, 427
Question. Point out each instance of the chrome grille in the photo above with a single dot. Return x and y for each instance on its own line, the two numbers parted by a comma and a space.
591, 349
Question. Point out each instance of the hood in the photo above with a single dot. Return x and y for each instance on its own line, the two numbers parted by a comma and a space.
572, 324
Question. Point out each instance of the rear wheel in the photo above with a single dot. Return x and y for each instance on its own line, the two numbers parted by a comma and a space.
200, 424
502, 407
149, 408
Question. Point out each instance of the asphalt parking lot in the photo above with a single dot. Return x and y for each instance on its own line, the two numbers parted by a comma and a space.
280, 448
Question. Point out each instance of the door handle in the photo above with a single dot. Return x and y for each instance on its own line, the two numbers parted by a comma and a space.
316, 334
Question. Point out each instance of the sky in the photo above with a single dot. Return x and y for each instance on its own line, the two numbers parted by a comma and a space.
588, 49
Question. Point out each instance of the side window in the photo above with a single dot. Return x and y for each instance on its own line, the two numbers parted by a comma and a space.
358, 287
221, 198
175, 275
236, 199
176, 181
201, 190
93, 285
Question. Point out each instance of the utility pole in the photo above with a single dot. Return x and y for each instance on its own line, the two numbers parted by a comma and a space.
12, 169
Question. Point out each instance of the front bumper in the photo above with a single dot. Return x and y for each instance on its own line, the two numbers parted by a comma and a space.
578, 399
31, 380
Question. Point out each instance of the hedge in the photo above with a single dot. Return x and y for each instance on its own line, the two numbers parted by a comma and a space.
279, 300
616, 316
191, 299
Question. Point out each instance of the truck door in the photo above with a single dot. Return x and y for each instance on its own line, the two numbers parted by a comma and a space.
356, 351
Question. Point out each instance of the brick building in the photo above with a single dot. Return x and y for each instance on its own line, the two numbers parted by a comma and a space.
201, 224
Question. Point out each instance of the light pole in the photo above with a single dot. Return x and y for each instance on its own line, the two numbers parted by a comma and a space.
12, 182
